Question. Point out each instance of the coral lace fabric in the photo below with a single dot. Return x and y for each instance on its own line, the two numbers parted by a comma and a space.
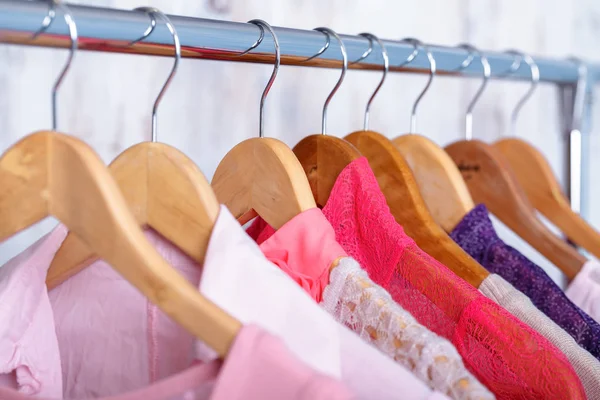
508, 357
476, 235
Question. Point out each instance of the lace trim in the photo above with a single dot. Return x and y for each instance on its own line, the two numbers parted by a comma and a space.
366, 308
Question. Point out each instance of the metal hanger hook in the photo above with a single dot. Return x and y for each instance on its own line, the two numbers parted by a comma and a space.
264, 25
487, 72
386, 68
74, 42
153, 13
329, 32
432, 70
48, 19
580, 94
535, 79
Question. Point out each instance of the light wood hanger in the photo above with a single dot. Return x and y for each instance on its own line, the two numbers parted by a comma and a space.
492, 182
52, 174
403, 196
164, 189
543, 190
324, 157
262, 175
440, 183
535, 175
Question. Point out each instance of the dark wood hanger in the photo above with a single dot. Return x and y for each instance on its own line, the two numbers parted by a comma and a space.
492, 182
402, 194
323, 158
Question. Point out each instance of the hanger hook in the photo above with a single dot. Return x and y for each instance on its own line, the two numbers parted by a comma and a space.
329, 32
367, 53
48, 19
262, 25
487, 72
74, 42
386, 68
535, 79
432, 70
153, 13
580, 94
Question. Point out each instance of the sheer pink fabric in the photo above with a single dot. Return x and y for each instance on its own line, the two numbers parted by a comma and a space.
508, 357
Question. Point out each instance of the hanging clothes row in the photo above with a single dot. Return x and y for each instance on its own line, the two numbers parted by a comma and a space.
369, 268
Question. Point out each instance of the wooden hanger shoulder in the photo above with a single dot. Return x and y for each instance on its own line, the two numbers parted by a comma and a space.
543, 190
492, 182
58, 175
323, 158
402, 194
262, 175
164, 190
440, 182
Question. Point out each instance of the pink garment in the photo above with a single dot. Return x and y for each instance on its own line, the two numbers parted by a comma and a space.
104, 335
97, 306
584, 290
29, 355
358, 303
255, 291
305, 248
508, 357
258, 366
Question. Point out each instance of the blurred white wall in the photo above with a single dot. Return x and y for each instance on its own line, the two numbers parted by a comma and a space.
106, 99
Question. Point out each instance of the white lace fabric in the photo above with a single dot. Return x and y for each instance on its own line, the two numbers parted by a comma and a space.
369, 310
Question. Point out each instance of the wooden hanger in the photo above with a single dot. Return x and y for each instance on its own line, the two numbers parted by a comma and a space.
324, 157
403, 196
535, 175
492, 182
262, 175
48, 173
441, 185
164, 189
543, 190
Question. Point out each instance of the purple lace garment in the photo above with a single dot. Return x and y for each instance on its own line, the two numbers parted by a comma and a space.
476, 235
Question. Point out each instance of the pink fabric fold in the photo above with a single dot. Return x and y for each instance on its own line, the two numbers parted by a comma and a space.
287, 248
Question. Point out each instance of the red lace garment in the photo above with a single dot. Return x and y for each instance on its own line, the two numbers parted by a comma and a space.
508, 357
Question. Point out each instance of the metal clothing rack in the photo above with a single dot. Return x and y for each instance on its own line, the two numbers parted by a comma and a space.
113, 30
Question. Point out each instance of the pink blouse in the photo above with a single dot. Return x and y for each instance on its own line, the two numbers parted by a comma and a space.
258, 366
305, 248
95, 336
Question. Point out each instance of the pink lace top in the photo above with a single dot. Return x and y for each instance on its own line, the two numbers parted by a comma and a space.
508, 357
305, 248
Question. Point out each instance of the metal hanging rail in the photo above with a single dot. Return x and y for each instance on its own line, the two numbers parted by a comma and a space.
112, 30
